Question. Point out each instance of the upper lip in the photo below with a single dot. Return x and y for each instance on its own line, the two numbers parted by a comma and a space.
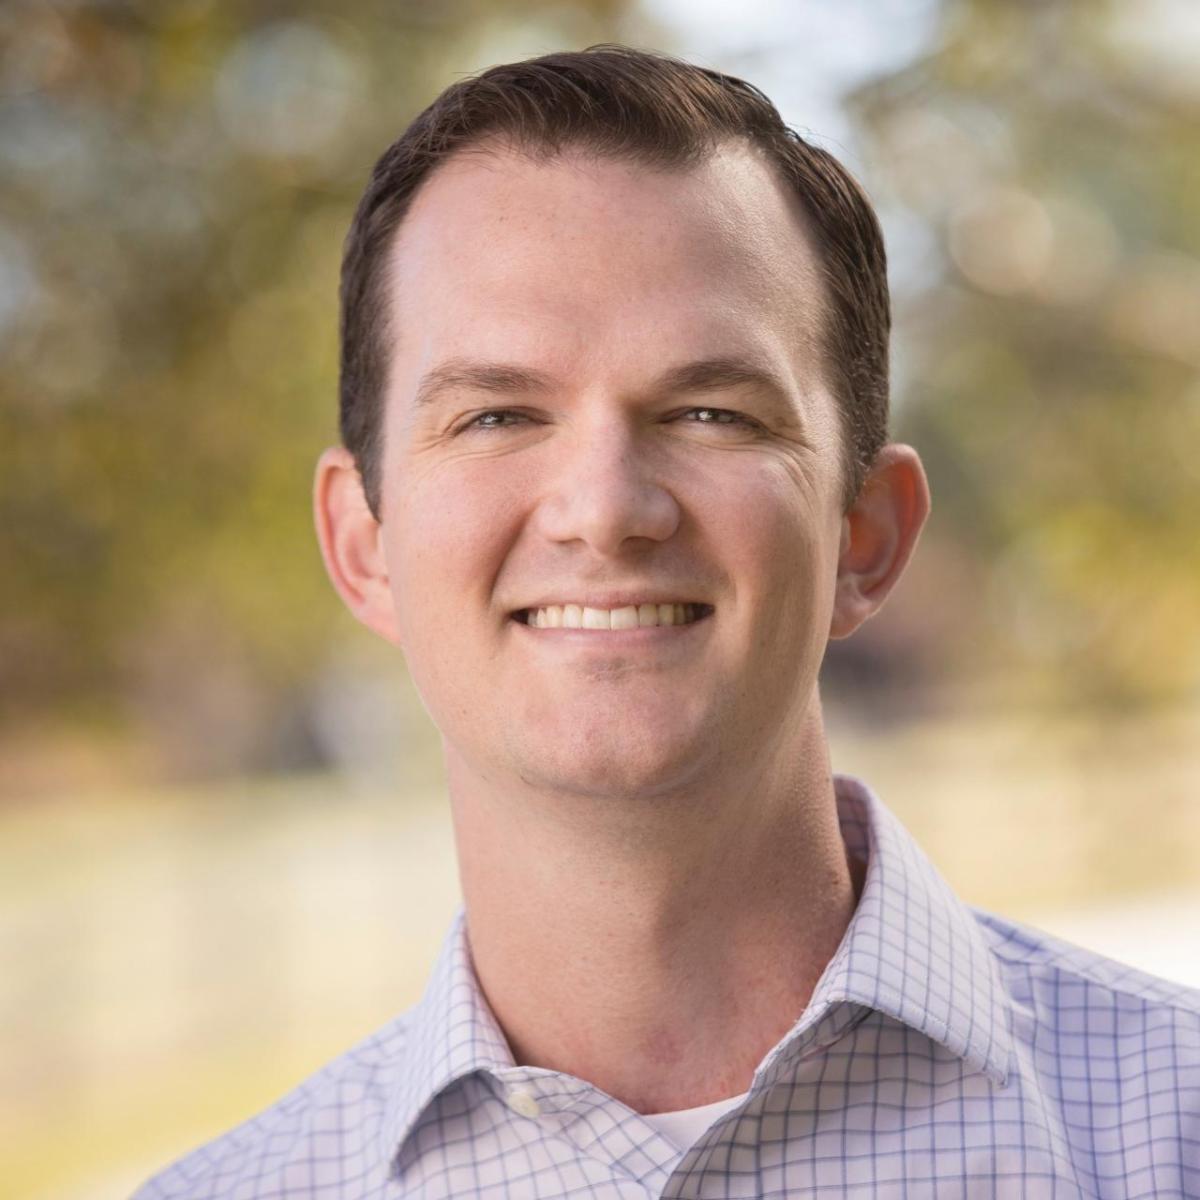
619, 599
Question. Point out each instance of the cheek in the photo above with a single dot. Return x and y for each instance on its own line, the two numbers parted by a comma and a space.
767, 526
768, 529
451, 532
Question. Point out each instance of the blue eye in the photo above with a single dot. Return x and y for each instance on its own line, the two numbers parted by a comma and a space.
506, 418
720, 416
494, 418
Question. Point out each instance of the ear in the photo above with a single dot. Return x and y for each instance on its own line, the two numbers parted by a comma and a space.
351, 544
879, 535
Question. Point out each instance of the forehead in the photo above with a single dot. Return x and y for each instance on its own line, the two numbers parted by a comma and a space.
580, 258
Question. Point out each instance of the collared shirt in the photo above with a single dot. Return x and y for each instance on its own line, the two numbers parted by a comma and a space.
944, 1053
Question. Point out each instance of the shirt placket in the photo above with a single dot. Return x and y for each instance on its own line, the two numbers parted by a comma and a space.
723, 1163
593, 1123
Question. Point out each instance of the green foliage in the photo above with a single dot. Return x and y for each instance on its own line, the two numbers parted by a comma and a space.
1050, 153
178, 179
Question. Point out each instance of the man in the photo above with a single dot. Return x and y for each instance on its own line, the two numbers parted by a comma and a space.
615, 468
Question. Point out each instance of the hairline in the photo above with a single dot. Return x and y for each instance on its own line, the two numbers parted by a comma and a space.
501, 143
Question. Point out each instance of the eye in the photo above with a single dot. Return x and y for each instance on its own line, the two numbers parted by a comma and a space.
719, 416
493, 418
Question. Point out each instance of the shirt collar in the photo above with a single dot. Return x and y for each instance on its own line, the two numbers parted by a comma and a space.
452, 1033
912, 950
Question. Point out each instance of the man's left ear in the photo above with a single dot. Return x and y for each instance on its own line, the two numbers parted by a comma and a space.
879, 535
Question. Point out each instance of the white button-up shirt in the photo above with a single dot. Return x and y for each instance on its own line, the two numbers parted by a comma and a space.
944, 1053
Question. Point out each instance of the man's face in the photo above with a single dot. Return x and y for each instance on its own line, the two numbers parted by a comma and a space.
605, 394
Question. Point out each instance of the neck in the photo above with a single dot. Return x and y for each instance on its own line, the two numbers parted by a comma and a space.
657, 949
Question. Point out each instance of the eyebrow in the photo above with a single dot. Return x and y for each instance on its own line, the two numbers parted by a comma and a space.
704, 375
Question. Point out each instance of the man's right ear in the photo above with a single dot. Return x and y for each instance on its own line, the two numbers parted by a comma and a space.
352, 543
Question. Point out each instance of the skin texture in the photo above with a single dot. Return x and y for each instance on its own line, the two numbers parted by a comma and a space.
646, 826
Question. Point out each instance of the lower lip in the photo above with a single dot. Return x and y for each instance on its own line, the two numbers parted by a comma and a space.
642, 636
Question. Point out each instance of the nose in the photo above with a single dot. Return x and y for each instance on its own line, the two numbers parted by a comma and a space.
605, 494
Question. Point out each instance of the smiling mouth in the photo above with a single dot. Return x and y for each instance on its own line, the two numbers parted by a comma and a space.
631, 616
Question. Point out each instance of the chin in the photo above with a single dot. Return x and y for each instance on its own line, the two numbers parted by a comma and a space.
615, 762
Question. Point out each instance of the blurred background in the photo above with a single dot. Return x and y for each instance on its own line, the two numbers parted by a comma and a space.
224, 848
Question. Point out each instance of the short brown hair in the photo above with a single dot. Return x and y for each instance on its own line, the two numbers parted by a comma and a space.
641, 106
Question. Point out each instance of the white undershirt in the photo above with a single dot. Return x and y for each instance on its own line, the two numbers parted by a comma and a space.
682, 1128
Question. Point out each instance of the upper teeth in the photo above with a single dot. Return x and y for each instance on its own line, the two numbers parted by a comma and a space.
576, 616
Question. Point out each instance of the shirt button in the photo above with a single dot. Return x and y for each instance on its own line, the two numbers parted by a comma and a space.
521, 1101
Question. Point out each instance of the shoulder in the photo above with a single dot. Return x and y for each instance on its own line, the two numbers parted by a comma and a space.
1079, 1013
324, 1132
1030, 953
